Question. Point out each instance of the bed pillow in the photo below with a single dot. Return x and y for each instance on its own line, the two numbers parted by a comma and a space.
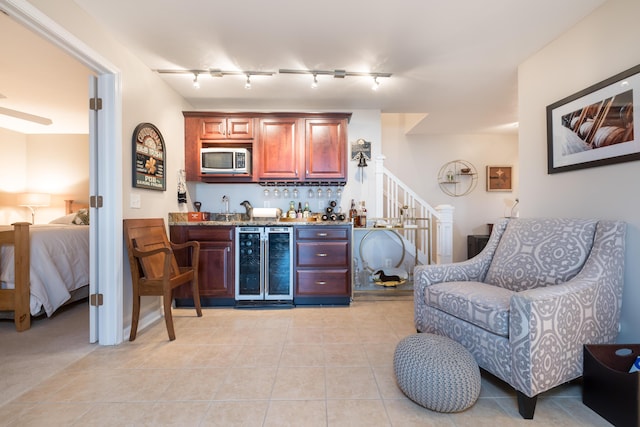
67, 219
78, 218
82, 217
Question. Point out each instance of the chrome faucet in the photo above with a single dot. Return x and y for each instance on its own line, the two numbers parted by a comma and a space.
225, 200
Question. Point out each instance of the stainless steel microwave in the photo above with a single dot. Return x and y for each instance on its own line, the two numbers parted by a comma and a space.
225, 160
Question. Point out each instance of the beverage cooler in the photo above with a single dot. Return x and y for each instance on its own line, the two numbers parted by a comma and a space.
264, 264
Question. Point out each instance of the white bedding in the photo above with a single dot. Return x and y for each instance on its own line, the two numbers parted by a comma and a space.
59, 264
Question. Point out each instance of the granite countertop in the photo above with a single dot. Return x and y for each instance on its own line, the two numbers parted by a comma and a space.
180, 218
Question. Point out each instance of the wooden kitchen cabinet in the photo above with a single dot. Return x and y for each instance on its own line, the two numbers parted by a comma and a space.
278, 149
323, 264
216, 272
285, 147
326, 149
226, 128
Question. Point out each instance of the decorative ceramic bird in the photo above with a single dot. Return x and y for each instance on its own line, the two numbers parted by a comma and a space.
249, 209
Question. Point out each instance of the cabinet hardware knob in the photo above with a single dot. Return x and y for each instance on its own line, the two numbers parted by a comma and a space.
320, 282
322, 234
321, 254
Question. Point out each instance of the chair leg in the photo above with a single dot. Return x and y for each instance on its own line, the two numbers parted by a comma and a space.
196, 297
135, 315
168, 316
526, 405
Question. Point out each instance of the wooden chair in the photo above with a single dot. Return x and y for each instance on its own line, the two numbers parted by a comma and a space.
154, 269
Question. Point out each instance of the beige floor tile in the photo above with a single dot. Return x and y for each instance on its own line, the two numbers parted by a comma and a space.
351, 383
247, 384
302, 355
405, 413
116, 414
245, 413
51, 414
298, 413
304, 335
195, 384
216, 356
294, 383
356, 413
380, 354
258, 355
340, 335
345, 355
387, 385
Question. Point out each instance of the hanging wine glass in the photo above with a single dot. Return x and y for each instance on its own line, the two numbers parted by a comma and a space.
310, 193
276, 193
329, 193
266, 192
319, 193
339, 192
295, 193
285, 193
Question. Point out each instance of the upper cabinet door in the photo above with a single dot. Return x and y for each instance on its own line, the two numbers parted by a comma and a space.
227, 128
326, 149
279, 151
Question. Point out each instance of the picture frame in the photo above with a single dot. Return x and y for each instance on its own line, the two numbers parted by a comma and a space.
499, 178
596, 126
148, 158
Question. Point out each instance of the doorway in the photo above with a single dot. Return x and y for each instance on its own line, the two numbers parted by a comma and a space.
105, 136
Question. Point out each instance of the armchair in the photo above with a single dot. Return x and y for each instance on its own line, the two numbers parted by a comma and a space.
154, 269
526, 305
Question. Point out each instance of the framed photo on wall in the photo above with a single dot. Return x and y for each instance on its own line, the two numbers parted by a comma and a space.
499, 178
595, 126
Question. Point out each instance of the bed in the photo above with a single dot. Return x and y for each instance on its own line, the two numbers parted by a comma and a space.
44, 266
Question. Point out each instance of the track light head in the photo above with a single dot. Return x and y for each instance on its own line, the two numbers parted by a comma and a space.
247, 85
314, 85
376, 83
196, 83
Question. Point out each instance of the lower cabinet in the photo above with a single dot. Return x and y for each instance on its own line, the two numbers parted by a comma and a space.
216, 265
322, 264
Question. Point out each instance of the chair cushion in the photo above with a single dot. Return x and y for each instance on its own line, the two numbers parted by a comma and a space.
483, 305
533, 253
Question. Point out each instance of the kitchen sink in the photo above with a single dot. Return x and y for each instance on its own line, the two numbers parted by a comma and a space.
227, 217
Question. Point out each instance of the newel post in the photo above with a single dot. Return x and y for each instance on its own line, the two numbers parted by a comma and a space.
444, 237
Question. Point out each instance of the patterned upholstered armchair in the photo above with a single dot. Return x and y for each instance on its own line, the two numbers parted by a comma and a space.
528, 302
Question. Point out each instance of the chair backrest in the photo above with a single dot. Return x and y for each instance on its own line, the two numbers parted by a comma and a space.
148, 234
537, 252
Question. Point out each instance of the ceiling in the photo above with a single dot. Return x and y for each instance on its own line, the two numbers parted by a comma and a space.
453, 63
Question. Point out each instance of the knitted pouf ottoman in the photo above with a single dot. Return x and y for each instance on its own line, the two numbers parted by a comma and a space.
436, 372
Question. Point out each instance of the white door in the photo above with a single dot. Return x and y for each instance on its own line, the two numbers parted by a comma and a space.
94, 248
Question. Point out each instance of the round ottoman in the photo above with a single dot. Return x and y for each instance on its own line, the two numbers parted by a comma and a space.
436, 372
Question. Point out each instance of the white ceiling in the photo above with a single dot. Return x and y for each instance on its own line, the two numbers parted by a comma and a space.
454, 61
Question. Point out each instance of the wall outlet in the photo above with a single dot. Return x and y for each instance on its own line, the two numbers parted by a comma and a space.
134, 201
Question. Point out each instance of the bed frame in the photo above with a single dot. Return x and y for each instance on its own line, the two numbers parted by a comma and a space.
18, 299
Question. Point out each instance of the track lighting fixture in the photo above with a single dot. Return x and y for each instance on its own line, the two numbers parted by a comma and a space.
337, 74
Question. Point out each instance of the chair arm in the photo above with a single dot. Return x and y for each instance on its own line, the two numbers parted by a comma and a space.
549, 326
195, 251
141, 254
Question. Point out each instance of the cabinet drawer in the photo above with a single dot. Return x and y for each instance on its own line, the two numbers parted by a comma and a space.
322, 254
322, 233
322, 282
205, 233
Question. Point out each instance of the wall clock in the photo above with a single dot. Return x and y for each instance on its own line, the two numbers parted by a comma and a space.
148, 158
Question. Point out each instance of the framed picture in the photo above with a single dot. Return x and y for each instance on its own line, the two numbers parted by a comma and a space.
595, 126
499, 178
148, 158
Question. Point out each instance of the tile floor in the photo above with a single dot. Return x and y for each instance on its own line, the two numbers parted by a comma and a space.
307, 366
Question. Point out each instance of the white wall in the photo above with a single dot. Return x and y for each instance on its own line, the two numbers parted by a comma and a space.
602, 45
54, 164
417, 159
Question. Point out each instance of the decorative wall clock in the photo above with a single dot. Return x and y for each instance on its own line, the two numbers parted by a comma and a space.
148, 158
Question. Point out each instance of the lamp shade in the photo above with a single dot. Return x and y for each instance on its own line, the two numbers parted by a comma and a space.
34, 199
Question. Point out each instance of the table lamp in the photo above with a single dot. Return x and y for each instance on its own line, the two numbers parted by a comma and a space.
34, 200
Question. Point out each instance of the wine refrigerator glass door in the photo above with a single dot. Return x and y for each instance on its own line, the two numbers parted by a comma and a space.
249, 263
278, 259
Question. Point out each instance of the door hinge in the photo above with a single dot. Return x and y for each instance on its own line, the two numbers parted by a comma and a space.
95, 104
95, 201
95, 300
